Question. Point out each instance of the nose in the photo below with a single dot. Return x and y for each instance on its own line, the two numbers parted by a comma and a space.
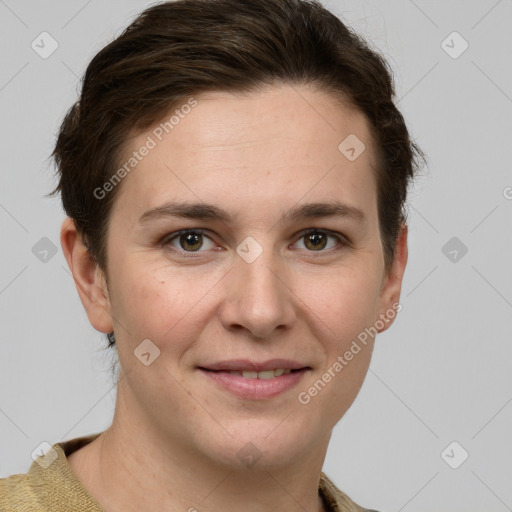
258, 298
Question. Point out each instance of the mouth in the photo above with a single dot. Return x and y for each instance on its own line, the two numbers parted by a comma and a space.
255, 381
265, 374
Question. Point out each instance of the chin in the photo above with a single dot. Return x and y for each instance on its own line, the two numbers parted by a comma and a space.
264, 443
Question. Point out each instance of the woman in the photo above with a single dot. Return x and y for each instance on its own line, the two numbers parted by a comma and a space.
234, 175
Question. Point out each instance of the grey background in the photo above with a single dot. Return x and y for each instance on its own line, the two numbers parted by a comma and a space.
440, 374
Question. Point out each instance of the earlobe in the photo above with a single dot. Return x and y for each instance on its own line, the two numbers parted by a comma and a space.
389, 300
89, 279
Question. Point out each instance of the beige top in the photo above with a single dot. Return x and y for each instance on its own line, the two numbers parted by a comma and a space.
55, 488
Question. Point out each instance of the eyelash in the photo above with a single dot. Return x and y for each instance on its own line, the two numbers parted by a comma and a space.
343, 242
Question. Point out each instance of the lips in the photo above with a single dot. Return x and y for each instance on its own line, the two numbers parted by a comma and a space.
245, 365
255, 380
265, 374
255, 386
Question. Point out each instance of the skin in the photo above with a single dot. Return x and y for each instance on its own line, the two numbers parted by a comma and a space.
175, 435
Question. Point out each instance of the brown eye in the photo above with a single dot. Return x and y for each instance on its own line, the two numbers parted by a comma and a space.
191, 241
187, 241
316, 240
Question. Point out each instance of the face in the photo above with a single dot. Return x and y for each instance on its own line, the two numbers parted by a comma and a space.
255, 284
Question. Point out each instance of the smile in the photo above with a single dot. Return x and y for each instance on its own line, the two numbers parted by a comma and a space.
251, 385
267, 374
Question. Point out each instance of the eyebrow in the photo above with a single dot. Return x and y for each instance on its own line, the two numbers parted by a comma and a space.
204, 211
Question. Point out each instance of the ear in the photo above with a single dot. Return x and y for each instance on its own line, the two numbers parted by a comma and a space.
89, 279
389, 299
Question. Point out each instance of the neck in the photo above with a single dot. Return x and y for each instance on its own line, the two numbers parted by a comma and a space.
134, 467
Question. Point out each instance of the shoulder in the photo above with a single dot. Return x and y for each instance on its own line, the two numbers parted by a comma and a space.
16, 494
336, 500
49, 485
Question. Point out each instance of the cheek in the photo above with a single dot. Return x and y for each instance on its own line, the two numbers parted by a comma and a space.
160, 305
347, 347
343, 300
343, 307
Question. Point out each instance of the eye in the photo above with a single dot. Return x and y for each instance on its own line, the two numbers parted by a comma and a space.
317, 239
192, 240
187, 240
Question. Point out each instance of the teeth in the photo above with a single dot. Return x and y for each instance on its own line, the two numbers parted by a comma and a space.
267, 374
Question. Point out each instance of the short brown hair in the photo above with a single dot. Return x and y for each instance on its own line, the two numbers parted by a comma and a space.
178, 48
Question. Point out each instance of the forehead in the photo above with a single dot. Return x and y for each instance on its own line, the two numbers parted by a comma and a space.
276, 145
